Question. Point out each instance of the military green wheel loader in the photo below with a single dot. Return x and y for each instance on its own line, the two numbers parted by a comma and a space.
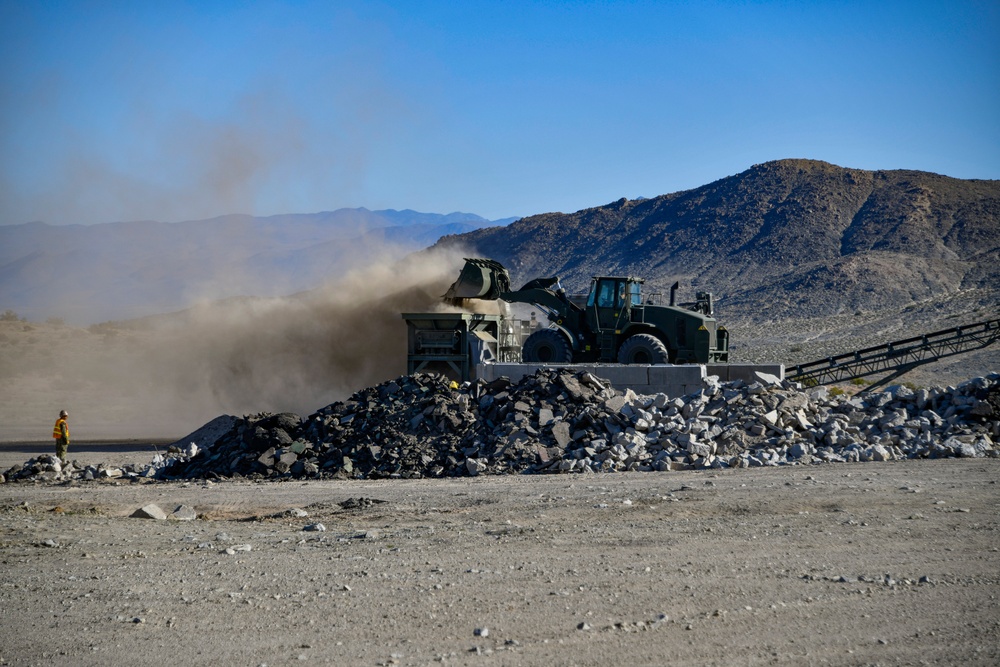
613, 324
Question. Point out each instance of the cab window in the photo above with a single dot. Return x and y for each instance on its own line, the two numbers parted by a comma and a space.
606, 294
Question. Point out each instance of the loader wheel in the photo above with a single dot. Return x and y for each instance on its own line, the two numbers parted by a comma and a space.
547, 346
643, 349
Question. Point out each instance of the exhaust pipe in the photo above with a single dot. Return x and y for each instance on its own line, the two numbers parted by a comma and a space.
673, 293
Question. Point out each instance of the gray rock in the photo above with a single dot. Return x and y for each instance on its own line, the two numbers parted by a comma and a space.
615, 403
699, 449
767, 378
561, 433
966, 450
899, 392
183, 513
798, 450
150, 511
545, 416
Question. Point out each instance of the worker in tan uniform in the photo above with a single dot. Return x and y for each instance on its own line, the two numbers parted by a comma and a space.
61, 433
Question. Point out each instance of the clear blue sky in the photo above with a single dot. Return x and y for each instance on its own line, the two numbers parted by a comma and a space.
184, 110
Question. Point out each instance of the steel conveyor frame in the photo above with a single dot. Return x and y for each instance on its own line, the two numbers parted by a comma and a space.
898, 356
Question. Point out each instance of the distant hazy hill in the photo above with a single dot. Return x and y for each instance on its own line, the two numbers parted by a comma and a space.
791, 238
94, 273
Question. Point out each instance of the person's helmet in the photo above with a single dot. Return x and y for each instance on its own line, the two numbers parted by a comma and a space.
63, 413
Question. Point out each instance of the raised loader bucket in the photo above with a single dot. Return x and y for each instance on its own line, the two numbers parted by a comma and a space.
479, 279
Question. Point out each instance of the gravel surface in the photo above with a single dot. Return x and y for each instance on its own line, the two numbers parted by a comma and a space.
889, 563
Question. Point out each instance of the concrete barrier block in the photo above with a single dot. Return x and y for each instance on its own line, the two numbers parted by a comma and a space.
686, 374
681, 380
745, 372
691, 389
671, 390
490, 372
620, 376
515, 372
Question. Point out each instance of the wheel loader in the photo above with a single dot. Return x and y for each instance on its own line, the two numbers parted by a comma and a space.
614, 323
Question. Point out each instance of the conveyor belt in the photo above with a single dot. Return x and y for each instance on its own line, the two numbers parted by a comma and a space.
898, 357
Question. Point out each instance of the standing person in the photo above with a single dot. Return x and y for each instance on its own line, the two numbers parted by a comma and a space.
61, 433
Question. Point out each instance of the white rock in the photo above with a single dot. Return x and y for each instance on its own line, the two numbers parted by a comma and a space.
767, 379
475, 466
150, 511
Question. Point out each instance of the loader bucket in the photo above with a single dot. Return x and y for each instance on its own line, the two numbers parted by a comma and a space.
479, 279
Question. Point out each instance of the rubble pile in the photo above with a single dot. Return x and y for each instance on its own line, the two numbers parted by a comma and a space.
420, 426
561, 421
48, 468
564, 421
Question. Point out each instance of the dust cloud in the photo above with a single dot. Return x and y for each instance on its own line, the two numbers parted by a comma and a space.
166, 376
297, 353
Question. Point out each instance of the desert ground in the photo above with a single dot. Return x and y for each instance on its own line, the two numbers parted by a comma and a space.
892, 563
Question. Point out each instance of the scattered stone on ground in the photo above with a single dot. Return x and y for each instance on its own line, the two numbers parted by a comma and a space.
560, 421
184, 513
150, 511
699, 561
359, 503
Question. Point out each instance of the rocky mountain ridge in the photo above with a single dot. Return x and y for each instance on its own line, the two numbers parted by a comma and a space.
801, 238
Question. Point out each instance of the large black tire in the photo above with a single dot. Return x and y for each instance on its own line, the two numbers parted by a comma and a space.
643, 349
546, 346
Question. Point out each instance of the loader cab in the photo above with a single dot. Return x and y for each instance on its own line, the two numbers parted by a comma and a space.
610, 300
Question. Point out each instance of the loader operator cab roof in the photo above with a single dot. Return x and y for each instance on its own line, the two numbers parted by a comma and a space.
610, 291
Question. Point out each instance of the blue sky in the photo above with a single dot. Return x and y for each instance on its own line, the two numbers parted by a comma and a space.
171, 111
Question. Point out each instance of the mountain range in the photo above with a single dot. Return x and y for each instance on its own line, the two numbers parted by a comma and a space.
83, 274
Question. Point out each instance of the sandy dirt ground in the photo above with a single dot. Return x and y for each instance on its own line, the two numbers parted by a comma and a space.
857, 564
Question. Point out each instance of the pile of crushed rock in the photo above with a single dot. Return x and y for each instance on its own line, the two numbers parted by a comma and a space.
564, 421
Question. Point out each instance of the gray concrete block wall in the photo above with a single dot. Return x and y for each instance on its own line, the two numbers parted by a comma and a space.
674, 381
686, 374
620, 375
745, 372
671, 380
